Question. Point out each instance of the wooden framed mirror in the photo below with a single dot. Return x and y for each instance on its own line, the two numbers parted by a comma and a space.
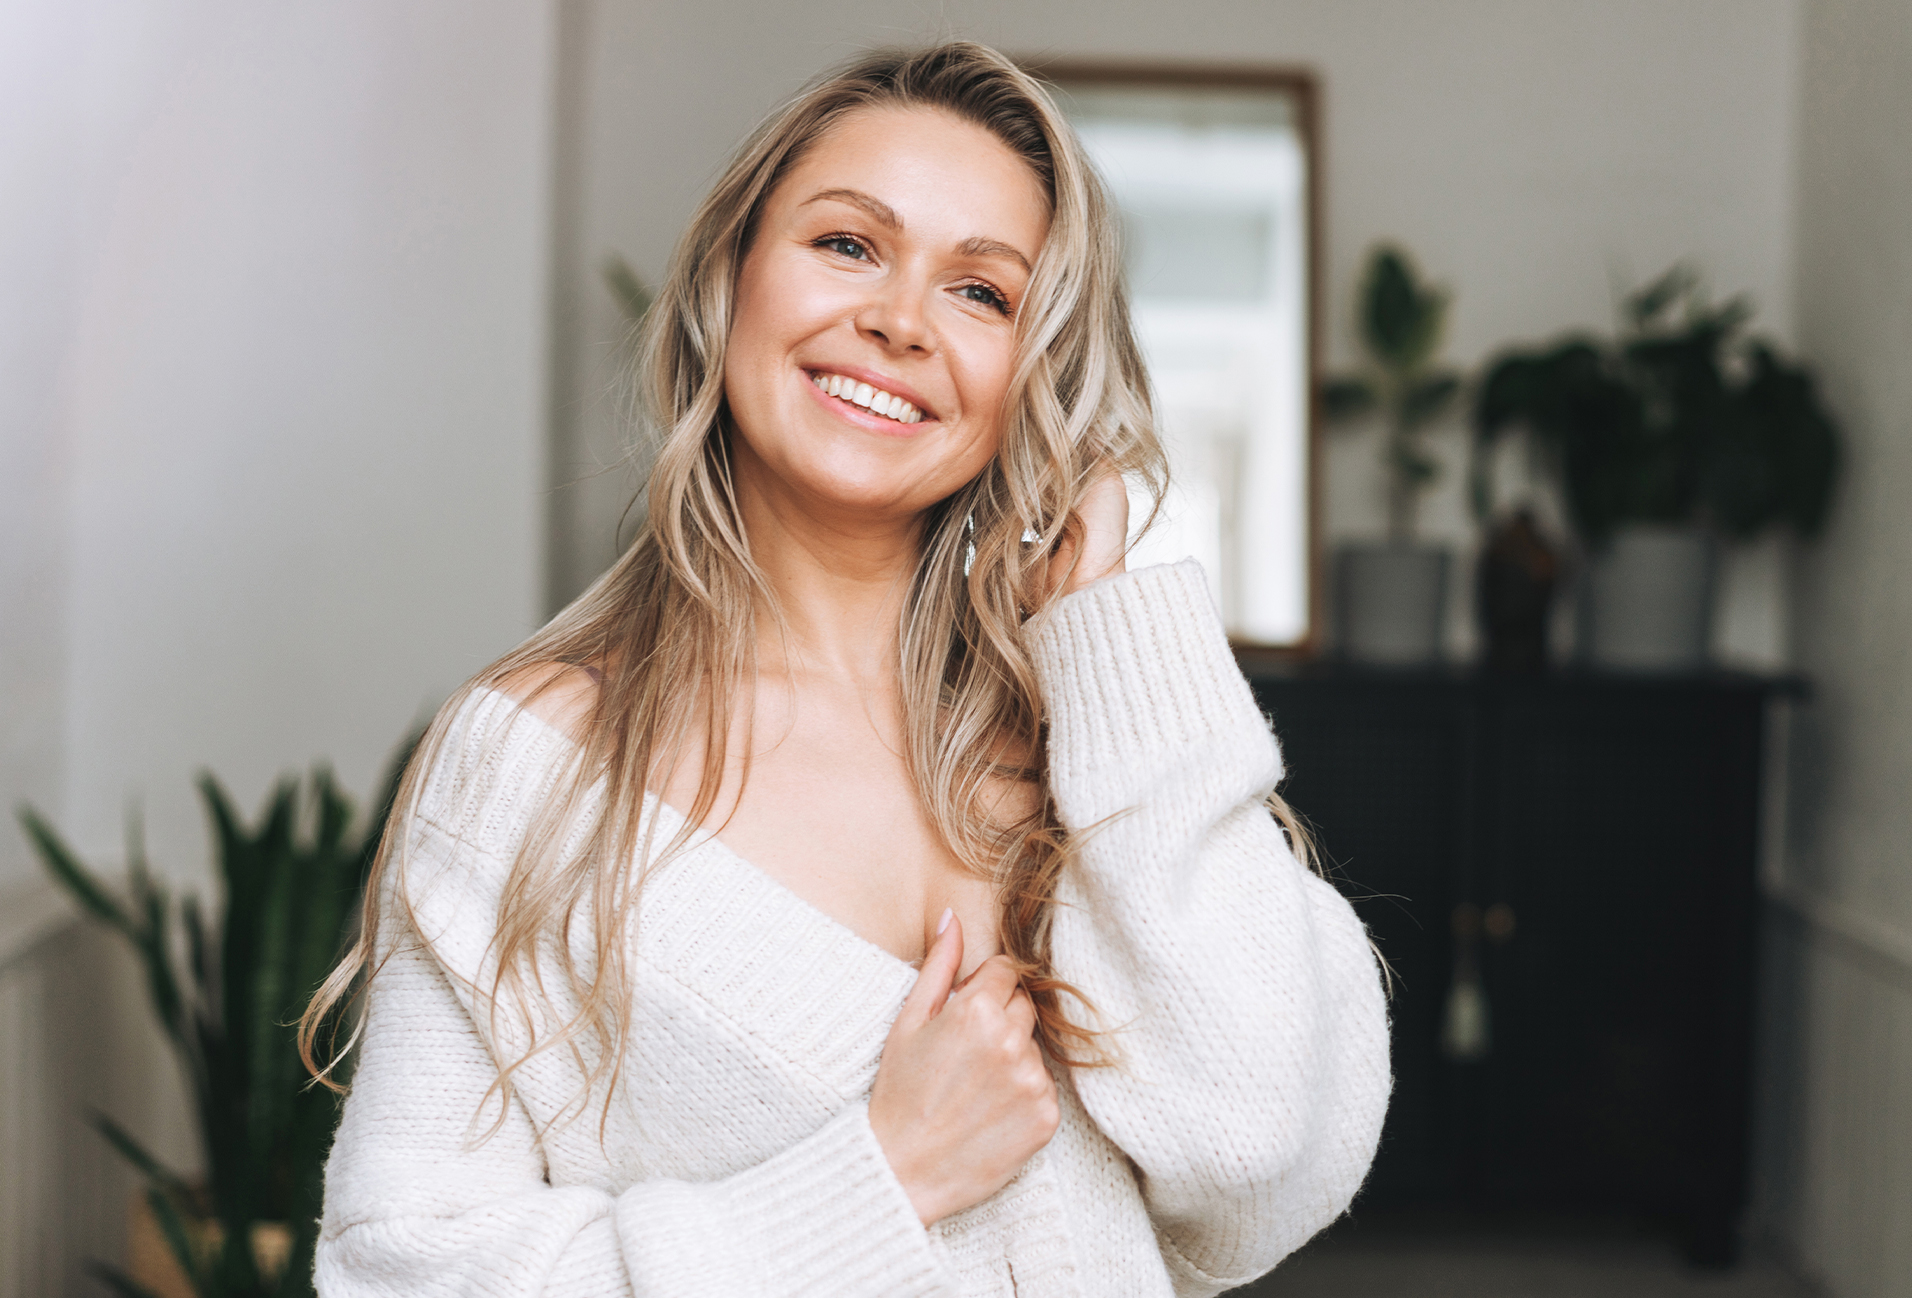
1215, 172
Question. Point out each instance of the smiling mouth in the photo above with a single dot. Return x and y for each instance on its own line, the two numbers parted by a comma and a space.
874, 400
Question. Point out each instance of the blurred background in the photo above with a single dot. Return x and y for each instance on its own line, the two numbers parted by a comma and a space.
311, 319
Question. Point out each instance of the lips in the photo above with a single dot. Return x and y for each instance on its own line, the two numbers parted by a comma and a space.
876, 400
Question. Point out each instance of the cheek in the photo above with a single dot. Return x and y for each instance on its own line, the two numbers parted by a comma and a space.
752, 328
984, 383
779, 305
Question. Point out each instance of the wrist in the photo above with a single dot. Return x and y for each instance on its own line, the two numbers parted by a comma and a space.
921, 1187
1088, 574
917, 1182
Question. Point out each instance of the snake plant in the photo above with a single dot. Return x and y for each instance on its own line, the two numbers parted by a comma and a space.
227, 990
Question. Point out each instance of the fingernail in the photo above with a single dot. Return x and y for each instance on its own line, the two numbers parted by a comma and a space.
943, 923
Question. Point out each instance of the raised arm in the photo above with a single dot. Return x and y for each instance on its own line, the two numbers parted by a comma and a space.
1251, 1026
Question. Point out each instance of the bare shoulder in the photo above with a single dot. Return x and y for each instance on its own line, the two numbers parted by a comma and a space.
563, 695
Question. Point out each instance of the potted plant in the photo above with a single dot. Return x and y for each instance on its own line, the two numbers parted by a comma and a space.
228, 991
1680, 431
1391, 597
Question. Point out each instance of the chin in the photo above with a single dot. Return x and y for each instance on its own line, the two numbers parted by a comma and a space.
878, 496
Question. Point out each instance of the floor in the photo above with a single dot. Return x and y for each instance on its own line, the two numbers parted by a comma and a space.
1528, 1261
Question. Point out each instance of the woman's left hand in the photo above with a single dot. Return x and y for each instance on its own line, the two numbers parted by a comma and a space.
1104, 511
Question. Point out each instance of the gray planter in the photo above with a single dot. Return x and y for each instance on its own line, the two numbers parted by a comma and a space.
1646, 602
1391, 602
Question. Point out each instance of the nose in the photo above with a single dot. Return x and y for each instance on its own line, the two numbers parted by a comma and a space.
894, 318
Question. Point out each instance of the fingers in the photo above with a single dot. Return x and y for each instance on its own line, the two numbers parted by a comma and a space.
994, 980
940, 963
1102, 513
1021, 1013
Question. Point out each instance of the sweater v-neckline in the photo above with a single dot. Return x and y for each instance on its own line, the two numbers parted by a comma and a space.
703, 838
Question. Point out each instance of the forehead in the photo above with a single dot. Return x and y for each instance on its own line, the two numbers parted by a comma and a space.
934, 169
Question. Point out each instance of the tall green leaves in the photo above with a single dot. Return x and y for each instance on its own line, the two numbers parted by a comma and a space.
227, 995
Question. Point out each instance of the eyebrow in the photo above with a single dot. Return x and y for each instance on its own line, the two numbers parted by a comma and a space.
981, 247
884, 214
876, 207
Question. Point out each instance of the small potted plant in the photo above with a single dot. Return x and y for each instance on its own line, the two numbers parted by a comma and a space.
1680, 432
1391, 597
228, 989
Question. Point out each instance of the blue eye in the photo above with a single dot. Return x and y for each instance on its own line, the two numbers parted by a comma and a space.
983, 295
844, 246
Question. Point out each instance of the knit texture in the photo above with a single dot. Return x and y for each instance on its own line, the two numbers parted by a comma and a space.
736, 1159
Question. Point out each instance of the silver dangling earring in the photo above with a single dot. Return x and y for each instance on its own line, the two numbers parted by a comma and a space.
969, 549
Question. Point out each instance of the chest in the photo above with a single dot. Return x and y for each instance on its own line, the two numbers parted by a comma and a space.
755, 1019
819, 795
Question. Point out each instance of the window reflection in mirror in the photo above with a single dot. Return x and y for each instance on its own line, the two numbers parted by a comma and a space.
1212, 178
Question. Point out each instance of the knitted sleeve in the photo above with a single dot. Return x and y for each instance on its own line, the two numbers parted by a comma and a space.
424, 1196
1249, 1024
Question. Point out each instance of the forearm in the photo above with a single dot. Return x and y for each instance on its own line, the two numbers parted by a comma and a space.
1245, 1000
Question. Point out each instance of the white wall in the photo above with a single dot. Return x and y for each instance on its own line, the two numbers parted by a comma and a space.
274, 387
1537, 156
273, 346
1841, 1190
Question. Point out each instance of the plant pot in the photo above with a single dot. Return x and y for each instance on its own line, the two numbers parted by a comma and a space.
1392, 602
1646, 603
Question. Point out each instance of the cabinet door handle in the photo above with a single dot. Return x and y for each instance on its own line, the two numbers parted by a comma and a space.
1498, 923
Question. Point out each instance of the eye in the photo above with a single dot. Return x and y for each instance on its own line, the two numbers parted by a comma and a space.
984, 295
845, 245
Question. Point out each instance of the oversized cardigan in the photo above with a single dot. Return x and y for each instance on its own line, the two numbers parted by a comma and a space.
736, 1158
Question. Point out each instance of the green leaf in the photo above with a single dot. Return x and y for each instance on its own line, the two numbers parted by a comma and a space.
173, 1226
1480, 482
335, 813
199, 955
1427, 398
633, 295
67, 870
1644, 306
1343, 399
1776, 452
1416, 468
136, 1154
1401, 319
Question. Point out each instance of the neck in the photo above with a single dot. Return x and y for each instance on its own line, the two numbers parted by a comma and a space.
839, 578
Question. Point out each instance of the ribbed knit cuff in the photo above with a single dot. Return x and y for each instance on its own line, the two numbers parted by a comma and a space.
826, 1216
1137, 679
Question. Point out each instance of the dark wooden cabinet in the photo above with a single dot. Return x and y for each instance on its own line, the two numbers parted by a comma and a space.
1583, 849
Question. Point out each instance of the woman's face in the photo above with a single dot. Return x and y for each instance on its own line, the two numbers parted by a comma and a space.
874, 326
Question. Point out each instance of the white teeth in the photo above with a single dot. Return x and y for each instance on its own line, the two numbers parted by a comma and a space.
870, 398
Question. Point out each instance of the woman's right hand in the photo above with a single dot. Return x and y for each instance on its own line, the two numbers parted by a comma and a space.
962, 1096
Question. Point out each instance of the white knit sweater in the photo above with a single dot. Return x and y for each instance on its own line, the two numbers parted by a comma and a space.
736, 1159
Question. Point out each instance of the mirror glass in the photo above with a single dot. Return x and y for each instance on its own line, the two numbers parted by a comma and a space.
1213, 177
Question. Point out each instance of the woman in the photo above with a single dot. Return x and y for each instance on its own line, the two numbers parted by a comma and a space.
867, 887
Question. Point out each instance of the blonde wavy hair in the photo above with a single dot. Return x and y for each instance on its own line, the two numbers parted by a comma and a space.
678, 609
